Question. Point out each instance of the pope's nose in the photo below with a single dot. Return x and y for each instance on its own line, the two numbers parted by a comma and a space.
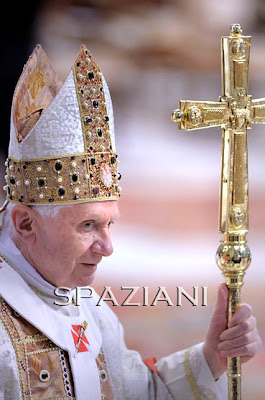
103, 245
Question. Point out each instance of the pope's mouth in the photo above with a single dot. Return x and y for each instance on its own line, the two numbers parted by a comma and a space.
92, 267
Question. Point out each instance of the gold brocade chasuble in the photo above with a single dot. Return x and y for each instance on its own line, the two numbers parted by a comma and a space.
44, 368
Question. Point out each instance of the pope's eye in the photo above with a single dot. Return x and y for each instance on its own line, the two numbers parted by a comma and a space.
88, 225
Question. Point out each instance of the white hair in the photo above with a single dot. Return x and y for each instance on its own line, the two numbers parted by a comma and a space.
49, 211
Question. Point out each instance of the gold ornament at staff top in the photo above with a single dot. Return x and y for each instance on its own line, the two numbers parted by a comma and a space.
234, 114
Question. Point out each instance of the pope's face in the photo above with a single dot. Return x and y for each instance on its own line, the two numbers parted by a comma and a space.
68, 248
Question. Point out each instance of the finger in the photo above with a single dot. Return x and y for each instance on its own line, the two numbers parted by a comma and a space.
248, 350
222, 295
248, 338
243, 312
219, 317
239, 330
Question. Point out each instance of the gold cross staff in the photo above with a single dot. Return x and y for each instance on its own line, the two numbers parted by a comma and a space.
234, 114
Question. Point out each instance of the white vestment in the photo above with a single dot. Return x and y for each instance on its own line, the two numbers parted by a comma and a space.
184, 375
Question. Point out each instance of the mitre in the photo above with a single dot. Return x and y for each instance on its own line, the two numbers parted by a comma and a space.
62, 144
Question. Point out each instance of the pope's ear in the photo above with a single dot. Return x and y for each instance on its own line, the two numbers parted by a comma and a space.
23, 219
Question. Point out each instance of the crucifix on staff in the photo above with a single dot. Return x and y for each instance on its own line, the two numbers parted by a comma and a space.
234, 114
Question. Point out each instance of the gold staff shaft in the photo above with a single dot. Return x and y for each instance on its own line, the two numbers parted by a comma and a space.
234, 114
233, 255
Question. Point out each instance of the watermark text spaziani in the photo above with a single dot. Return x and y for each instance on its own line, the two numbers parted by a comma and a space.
197, 296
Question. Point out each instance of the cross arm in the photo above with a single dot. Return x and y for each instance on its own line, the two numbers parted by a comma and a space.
201, 114
258, 111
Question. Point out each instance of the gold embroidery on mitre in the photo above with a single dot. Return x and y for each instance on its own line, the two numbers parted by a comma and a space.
90, 176
36, 81
91, 98
61, 180
35, 90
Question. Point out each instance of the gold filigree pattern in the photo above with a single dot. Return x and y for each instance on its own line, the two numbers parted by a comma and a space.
195, 116
36, 81
91, 98
189, 375
105, 385
36, 88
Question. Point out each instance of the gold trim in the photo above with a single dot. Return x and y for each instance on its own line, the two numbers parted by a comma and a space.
54, 157
23, 353
53, 348
190, 377
62, 202
24, 389
107, 391
80, 107
39, 182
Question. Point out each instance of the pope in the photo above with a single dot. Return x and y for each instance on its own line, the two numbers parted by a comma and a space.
62, 191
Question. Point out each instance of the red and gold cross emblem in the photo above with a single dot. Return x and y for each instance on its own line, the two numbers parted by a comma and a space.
80, 341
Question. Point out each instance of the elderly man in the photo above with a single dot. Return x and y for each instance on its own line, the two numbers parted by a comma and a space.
62, 191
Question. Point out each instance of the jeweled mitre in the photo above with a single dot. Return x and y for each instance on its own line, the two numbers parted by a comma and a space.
62, 144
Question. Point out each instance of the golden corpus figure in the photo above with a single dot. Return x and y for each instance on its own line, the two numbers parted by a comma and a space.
234, 114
